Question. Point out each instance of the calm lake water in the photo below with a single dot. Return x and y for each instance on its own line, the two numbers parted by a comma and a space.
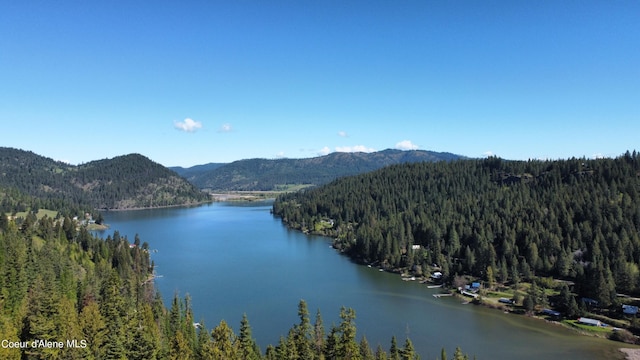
238, 258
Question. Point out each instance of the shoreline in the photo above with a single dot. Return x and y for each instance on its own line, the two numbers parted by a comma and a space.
628, 353
156, 207
631, 354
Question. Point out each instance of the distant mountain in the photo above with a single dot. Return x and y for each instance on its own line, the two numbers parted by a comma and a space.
124, 182
263, 174
192, 172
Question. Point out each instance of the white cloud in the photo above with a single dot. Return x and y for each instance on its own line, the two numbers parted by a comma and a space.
324, 151
343, 134
406, 145
357, 148
598, 156
188, 125
226, 128
488, 153
280, 155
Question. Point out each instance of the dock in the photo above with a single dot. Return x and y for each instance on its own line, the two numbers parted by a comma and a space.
438, 296
467, 293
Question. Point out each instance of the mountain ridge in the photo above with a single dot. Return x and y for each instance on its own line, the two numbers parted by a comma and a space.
272, 174
123, 182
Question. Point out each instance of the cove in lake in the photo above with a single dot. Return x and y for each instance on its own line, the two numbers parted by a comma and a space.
238, 258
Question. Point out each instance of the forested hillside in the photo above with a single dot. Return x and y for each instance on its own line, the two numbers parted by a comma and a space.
129, 181
65, 294
263, 174
572, 219
193, 172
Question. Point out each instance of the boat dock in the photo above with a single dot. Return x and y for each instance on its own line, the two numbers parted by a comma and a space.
438, 296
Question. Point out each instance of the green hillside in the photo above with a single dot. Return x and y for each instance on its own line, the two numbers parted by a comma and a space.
124, 182
494, 219
269, 175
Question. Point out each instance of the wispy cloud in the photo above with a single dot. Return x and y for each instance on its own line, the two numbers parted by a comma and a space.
357, 148
188, 125
406, 145
225, 128
343, 134
324, 151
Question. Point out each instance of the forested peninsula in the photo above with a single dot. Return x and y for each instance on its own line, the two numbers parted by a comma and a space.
498, 221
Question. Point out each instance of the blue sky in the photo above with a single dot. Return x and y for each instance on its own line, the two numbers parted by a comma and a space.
187, 83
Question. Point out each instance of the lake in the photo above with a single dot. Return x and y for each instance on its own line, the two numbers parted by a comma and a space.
237, 258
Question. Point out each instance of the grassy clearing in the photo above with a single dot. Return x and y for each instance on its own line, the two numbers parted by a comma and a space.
40, 214
322, 225
596, 330
291, 187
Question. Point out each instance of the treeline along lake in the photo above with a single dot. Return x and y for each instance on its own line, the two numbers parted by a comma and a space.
236, 258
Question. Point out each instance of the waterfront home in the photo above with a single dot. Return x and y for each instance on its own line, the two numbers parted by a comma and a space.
588, 321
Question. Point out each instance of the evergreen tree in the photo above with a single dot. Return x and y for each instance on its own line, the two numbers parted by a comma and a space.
302, 333
113, 311
459, 355
180, 348
318, 335
247, 346
394, 350
408, 352
365, 350
224, 342
380, 353
347, 345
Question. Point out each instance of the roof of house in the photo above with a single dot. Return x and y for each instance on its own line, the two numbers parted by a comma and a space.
589, 321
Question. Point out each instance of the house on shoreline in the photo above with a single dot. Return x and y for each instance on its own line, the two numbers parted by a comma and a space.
590, 322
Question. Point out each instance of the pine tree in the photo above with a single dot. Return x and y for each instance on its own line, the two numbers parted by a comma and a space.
94, 328
205, 343
179, 348
113, 311
8, 332
332, 344
380, 353
318, 335
408, 352
458, 355
302, 333
248, 348
394, 351
224, 342
365, 350
347, 345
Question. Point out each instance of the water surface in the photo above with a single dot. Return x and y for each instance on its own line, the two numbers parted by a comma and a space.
238, 258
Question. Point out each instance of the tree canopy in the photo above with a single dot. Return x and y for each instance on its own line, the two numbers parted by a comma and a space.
574, 219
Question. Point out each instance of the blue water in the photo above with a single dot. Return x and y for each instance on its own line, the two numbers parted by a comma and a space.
234, 259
